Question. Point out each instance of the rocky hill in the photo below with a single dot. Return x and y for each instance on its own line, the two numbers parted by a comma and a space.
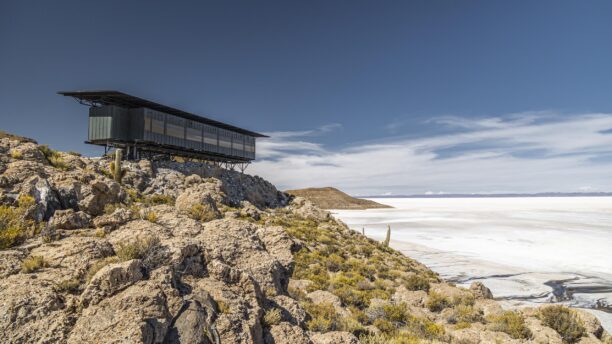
332, 198
186, 253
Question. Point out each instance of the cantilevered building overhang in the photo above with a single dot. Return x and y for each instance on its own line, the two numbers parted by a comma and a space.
144, 127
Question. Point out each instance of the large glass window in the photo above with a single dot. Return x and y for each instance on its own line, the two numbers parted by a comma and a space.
225, 142
210, 135
237, 142
157, 126
175, 130
194, 134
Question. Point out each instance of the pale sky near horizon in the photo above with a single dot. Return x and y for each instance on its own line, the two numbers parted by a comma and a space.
373, 97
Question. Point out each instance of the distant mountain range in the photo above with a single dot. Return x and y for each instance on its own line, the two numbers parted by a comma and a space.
502, 195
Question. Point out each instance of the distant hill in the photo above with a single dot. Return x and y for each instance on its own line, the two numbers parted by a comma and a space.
332, 198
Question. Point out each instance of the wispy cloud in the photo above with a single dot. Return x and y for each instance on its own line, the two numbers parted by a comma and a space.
528, 152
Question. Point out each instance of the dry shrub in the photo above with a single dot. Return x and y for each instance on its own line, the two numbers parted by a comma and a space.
511, 323
564, 321
33, 264
272, 317
136, 249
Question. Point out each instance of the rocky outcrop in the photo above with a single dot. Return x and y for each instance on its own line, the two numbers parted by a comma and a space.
157, 273
69, 219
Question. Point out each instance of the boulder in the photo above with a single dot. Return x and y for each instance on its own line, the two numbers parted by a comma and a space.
31, 311
249, 210
111, 279
291, 311
74, 253
542, 334
201, 196
590, 322
192, 325
307, 210
414, 298
111, 221
69, 219
247, 252
98, 194
481, 291
138, 314
286, 333
10, 262
279, 244
46, 198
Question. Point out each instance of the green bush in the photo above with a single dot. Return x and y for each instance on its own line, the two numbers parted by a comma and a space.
33, 264
17, 155
511, 323
416, 282
323, 317
14, 226
136, 249
467, 314
436, 302
564, 321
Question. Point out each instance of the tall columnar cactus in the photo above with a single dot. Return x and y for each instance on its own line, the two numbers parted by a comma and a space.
388, 238
362, 230
117, 173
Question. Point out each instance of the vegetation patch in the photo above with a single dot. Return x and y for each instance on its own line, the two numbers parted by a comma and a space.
33, 264
272, 317
136, 249
437, 302
71, 285
54, 157
511, 323
15, 227
364, 274
203, 213
564, 321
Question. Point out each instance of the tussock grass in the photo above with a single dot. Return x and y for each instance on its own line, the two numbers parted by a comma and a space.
272, 317
136, 249
33, 264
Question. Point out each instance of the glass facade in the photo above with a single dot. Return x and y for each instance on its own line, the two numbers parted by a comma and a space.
164, 128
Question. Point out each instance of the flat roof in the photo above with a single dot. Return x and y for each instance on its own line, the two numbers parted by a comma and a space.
129, 101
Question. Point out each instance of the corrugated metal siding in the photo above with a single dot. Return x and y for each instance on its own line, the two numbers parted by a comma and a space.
100, 122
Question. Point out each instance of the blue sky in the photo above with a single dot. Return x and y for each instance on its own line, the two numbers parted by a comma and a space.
371, 96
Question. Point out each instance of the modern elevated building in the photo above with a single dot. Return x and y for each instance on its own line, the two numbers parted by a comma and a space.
144, 128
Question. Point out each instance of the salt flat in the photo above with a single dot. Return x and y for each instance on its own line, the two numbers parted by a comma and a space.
526, 250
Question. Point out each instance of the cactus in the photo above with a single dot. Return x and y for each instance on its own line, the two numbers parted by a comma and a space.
388, 238
362, 230
115, 166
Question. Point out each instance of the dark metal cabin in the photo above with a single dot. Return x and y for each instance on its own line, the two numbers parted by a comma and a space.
143, 127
